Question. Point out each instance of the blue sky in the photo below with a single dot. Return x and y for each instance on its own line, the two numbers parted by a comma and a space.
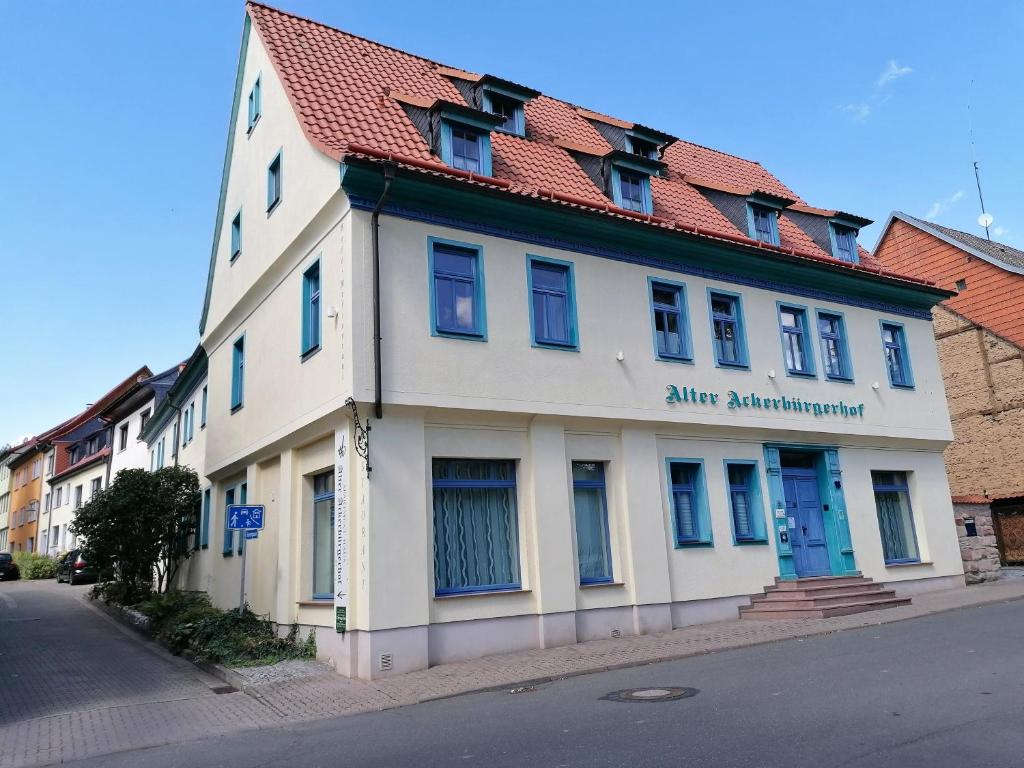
115, 113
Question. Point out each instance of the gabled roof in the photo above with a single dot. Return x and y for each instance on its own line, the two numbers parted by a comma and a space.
109, 399
352, 98
1001, 255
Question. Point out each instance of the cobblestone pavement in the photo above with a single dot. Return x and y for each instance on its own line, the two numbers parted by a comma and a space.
74, 685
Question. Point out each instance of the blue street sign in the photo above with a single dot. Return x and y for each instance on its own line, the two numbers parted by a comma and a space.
245, 517
250, 534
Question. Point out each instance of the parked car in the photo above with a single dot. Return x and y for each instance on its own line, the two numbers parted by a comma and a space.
74, 570
8, 568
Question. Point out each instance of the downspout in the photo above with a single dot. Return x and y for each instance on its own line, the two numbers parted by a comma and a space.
389, 175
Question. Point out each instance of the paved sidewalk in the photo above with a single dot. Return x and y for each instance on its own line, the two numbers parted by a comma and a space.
322, 693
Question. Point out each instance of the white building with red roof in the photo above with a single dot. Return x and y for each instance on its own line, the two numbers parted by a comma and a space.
508, 373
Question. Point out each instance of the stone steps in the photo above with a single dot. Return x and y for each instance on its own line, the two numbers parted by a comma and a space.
820, 598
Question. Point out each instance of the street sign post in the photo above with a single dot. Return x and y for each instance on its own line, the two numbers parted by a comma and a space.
248, 518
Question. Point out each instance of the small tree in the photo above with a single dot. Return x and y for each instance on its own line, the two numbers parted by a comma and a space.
140, 526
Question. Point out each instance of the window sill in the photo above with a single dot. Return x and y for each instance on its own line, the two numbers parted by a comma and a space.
894, 385
802, 374
694, 544
236, 408
732, 366
309, 353
839, 379
749, 542
273, 207
910, 563
483, 593
599, 584
676, 360
556, 346
252, 127
228, 554
440, 334
325, 602
234, 257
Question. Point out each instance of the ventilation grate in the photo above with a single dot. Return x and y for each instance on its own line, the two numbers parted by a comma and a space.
387, 660
616, 633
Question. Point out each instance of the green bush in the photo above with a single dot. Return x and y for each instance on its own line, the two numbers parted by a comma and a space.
187, 620
119, 593
32, 565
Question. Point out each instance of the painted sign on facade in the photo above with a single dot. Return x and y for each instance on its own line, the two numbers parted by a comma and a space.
341, 505
735, 401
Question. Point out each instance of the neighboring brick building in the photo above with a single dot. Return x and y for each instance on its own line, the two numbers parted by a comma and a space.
980, 334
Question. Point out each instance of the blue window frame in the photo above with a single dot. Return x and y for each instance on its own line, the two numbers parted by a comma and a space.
631, 190
465, 147
238, 373
641, 147
689, 501
593, 539
508, 107
797, 348
476, 536
844, 243
895, 517
746, 506
204, 527
323, 536
311, 308
236, 235
457, 297
274, 182
228, 548
763, 223
835, 351
202, 407
669, 321
552, 303
243, 498
897, 357
728, 334
255, 103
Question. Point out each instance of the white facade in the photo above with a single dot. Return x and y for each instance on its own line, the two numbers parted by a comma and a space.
129, 450
505, 398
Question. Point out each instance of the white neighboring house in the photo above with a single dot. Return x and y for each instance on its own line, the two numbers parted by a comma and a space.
677, 383
5, 498
130, 416
175, 435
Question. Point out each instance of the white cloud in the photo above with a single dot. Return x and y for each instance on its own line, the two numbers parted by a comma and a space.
1000, 231
859, 112
892, 71
941, 206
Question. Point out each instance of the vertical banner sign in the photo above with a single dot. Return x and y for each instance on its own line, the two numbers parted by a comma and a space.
341, 506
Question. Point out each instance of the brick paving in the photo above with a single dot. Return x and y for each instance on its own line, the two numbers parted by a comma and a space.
73, 685
327, 694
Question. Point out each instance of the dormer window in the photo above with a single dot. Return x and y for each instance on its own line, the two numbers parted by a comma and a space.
469, 149
641, 147
764, 223
632, 190
510, 109
844, 243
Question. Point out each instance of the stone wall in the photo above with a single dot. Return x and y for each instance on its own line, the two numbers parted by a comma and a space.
980, 553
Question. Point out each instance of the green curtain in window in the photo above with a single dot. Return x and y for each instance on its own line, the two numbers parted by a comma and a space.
475, 538
592, 535
895, 525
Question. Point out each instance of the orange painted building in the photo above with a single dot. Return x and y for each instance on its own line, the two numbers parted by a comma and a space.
26, 496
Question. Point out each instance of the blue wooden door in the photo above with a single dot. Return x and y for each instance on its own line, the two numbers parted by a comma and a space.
807, 536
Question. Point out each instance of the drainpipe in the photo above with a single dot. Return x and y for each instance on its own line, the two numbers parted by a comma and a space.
389, 175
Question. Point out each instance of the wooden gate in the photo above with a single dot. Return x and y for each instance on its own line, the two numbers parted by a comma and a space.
1009, 525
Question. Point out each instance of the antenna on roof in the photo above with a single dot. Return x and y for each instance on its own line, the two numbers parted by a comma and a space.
985, 219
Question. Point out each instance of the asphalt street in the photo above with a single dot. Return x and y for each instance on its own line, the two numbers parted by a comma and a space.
944, 690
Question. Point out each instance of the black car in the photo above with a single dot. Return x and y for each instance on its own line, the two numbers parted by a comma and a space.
8, 568
74, 570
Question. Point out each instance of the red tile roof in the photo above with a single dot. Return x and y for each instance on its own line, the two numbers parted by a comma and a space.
348, 92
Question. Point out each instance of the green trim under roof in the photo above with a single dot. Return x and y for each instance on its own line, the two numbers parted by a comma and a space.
441, 196
188, 380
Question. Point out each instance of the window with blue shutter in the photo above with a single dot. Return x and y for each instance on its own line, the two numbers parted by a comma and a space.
476, 536
593, 539
796, 341
745, 504
689, 502
311, 308
895, 517
844, 241
669, 321
456, 289
835, 352
727, 332
236, 235
323, 536
274, 183
255, 103
238, 373
897, 358
552, 303
764, 223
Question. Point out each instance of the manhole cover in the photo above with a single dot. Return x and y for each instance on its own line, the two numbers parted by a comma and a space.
651, 694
